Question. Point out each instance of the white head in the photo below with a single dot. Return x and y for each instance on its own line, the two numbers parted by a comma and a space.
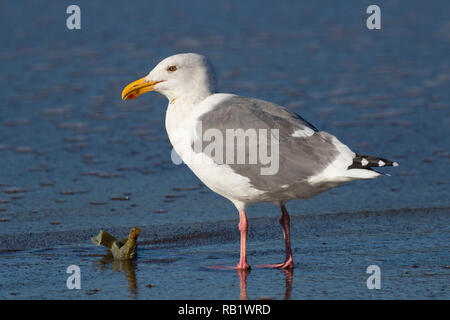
182, 76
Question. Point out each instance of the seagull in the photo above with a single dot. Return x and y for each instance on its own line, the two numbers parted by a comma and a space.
304, 161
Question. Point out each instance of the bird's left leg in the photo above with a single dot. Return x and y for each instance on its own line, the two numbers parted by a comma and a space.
285, 224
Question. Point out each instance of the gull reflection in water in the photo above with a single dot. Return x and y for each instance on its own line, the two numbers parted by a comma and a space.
243, 274
128, 267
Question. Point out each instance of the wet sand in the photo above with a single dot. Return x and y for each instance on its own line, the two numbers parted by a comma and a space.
332, 254
75, 159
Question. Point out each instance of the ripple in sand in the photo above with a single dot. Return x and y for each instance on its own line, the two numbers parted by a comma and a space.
69, 125
145, 172
92, 291
16, 123
73, 192
97, 203
186, 188
55, 111
14, 190
24, 149
129, 168
120, 198
40, 169
100, 174
46, 184
75, 139
174, 196
88, 159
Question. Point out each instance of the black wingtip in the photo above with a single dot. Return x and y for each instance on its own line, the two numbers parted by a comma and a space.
366, 162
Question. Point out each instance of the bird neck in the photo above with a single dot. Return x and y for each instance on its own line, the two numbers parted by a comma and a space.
188, 101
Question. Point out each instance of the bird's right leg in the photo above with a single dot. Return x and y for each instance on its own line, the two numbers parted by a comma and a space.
243, 228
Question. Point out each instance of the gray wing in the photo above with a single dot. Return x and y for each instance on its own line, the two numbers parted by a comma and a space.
260, 110
303, 151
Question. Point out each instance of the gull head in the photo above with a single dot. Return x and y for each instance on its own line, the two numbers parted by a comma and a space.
181, 76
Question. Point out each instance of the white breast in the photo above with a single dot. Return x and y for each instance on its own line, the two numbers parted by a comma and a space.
181, 122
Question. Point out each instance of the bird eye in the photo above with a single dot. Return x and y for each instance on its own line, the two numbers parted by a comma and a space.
171, 68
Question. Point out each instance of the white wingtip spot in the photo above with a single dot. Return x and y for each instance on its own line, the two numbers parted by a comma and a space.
381, 163
364, 162
395, 164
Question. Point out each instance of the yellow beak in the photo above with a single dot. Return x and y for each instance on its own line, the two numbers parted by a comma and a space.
138, 87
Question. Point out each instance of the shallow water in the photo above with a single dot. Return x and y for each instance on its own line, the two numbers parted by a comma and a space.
74, 158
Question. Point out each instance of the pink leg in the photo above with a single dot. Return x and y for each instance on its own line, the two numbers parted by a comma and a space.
285, 224
243, 228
